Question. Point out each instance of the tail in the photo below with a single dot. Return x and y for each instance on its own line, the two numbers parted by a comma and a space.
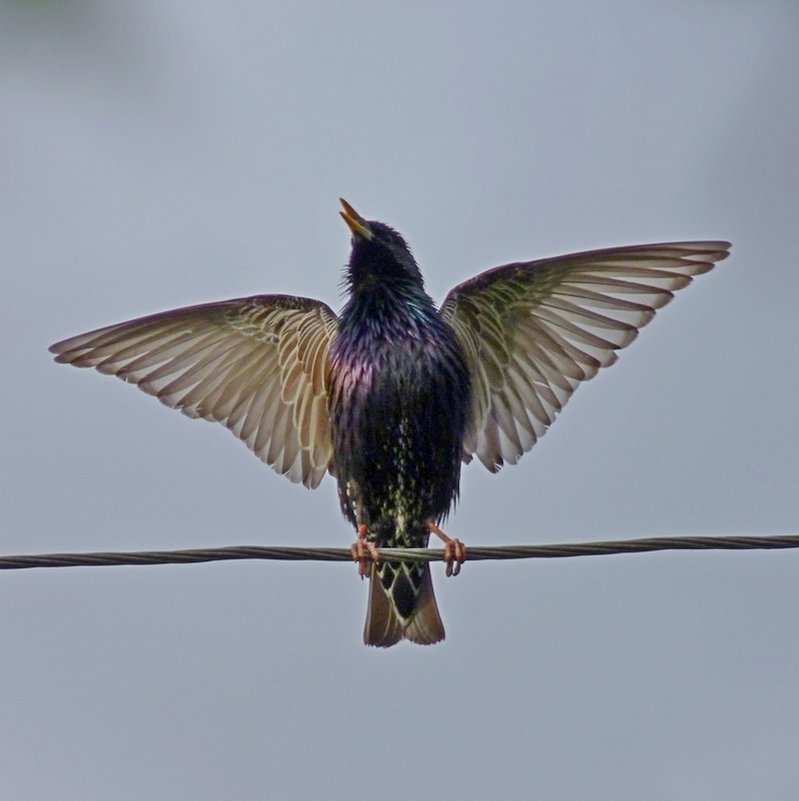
402, 605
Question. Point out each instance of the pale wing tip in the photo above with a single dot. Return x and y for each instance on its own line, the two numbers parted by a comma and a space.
69, 351
699, 247
708, 252
721, 246
70, 357
703, 245
310, 477
61, 349
313, 477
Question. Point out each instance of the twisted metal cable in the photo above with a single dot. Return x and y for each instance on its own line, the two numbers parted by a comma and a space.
475, 554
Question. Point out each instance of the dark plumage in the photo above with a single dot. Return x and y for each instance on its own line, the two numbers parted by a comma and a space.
392, 395
399, 397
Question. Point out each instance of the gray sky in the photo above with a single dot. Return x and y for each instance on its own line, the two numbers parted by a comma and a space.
160, 154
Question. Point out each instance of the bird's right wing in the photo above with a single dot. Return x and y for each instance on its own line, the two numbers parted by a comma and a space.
259, 365
532, 331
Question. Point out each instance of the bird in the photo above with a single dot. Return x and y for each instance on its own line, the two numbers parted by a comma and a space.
394, 394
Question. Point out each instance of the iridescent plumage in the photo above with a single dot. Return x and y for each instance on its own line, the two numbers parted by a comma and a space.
393, 394
400, 395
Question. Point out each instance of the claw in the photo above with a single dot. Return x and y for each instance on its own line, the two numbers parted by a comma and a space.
454, 556
454, 549
364, 551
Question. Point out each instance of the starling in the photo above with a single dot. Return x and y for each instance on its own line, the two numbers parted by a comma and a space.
393, 395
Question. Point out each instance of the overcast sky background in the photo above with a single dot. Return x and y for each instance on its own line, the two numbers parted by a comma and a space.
161, 154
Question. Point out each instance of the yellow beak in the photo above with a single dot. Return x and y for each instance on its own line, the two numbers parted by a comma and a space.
357, 224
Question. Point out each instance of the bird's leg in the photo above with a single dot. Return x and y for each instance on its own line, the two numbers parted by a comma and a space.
454, 549
363, 550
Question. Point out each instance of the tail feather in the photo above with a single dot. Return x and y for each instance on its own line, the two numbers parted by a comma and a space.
386, 625
425, 626
383, 625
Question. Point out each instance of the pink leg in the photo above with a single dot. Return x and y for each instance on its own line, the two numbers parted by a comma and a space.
454, 549
364, 551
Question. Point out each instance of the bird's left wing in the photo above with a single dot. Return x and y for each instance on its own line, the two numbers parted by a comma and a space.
532, 331
259, 365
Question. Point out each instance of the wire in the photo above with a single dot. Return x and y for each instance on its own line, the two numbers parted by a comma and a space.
475, 554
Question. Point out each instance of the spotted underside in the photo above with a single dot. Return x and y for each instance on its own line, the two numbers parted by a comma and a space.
397, 419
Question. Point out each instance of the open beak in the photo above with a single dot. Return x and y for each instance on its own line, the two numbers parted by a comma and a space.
357, 224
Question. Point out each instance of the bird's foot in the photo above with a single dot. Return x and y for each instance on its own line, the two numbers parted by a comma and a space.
364, 550
454, 549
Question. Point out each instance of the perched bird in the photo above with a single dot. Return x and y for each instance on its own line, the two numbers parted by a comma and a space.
394, 394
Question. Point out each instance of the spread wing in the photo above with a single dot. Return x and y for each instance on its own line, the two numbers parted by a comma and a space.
532, 331
258, 365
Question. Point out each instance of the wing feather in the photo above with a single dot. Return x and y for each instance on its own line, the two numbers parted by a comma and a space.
258, 365
533, 331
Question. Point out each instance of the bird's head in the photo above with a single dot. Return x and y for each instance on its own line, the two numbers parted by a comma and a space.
379, 254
